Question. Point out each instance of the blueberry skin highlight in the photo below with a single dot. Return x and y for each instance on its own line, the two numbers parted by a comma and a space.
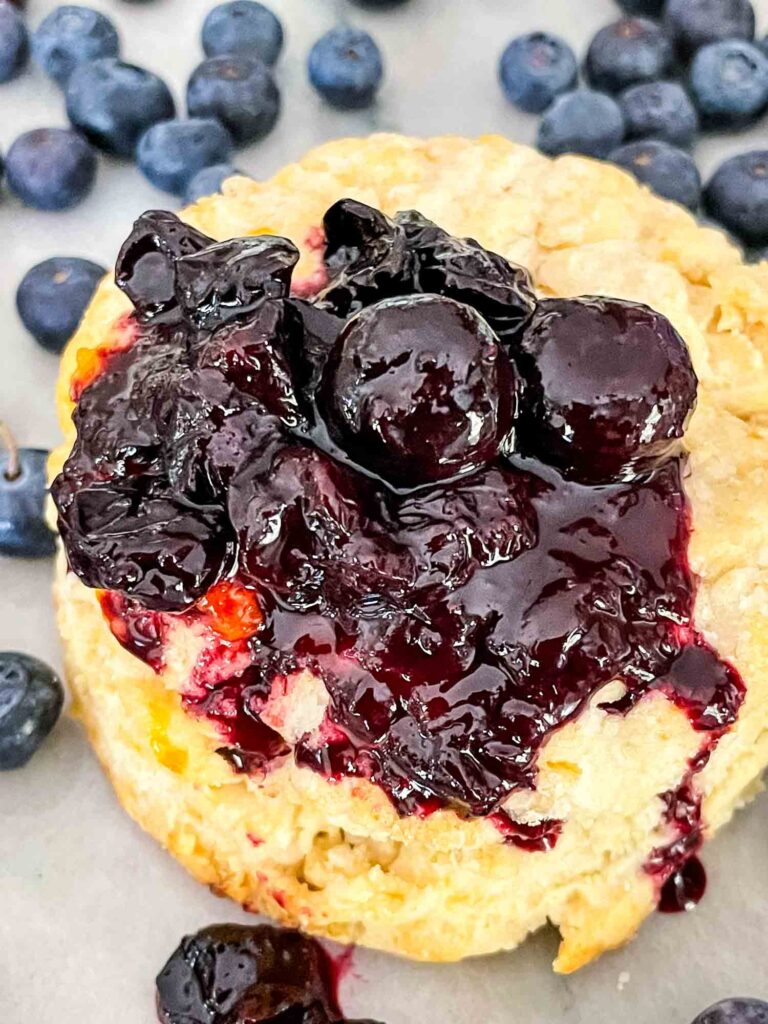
70, 35
238, 91
737, 196
14, 42
670, 172
582, 121
170, 153
31, 699
536, 68
729, 83
50, 168
243, 26
53, 296
345, 66
23, 530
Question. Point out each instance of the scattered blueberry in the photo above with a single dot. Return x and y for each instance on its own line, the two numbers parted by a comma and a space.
70, 35
172, 152
31, 699
23, 486
737, 196
735, 1011
113, 103
14, 42
581, 121
659, 110
644, 8
346, 68
629, 51
243, 26
764, 45
670, 172
208, 181
53, 296
50, 168
237, 90
694, 23
729, 83
536, 68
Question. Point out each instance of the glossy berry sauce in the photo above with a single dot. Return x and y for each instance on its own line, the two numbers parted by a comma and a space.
412, 486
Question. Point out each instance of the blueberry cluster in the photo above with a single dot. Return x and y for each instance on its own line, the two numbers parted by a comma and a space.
654, 79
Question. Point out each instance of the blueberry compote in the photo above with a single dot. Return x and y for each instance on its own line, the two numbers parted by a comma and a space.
230, 974
461, 507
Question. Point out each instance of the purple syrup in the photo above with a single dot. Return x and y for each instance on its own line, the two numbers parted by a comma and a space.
141, 632
534, 837
684, 888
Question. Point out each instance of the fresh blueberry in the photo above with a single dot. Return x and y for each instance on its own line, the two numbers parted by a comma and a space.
694, 23
23, 486
243, 26
14, 42
346, 68
237, 90
171, 153
31, 699
581, 121
70, 35
764, 45
729, 83
208, 181
53, 296
735, 1011
660, 110
50, 168
737, 196
113, 103
643, 8
536, 68
668, 171
628, 51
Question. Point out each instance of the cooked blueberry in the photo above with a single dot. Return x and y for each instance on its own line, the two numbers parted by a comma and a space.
233, 974
113, 103
735, 1011
53, 296
418, 389
581, 121
758, 255
23, 487
237, 90
145, 268
208, 181
660, 110
14, 42
50, 168
70, 35
737, 196
346, 68
629, 51
670, 172
536, 68
172, 152
644, 8
608, 385
243, 26
31, 698
695, 23
729, 83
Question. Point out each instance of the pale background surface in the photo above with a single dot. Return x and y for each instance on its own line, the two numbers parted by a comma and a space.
90, 907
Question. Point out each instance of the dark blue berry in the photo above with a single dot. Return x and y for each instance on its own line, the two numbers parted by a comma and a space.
660, 110
50, 168
243, 26
581, 121
629, 51
536, 68
70, 35
737, 196
113, 103
53, 296
729, 83
172, 152
670, 172
735, 1011
644, 8
14, 42
23, 487
694, 23
763, 44
208, 181
346, 68
31, 699
237, 90
758, 255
